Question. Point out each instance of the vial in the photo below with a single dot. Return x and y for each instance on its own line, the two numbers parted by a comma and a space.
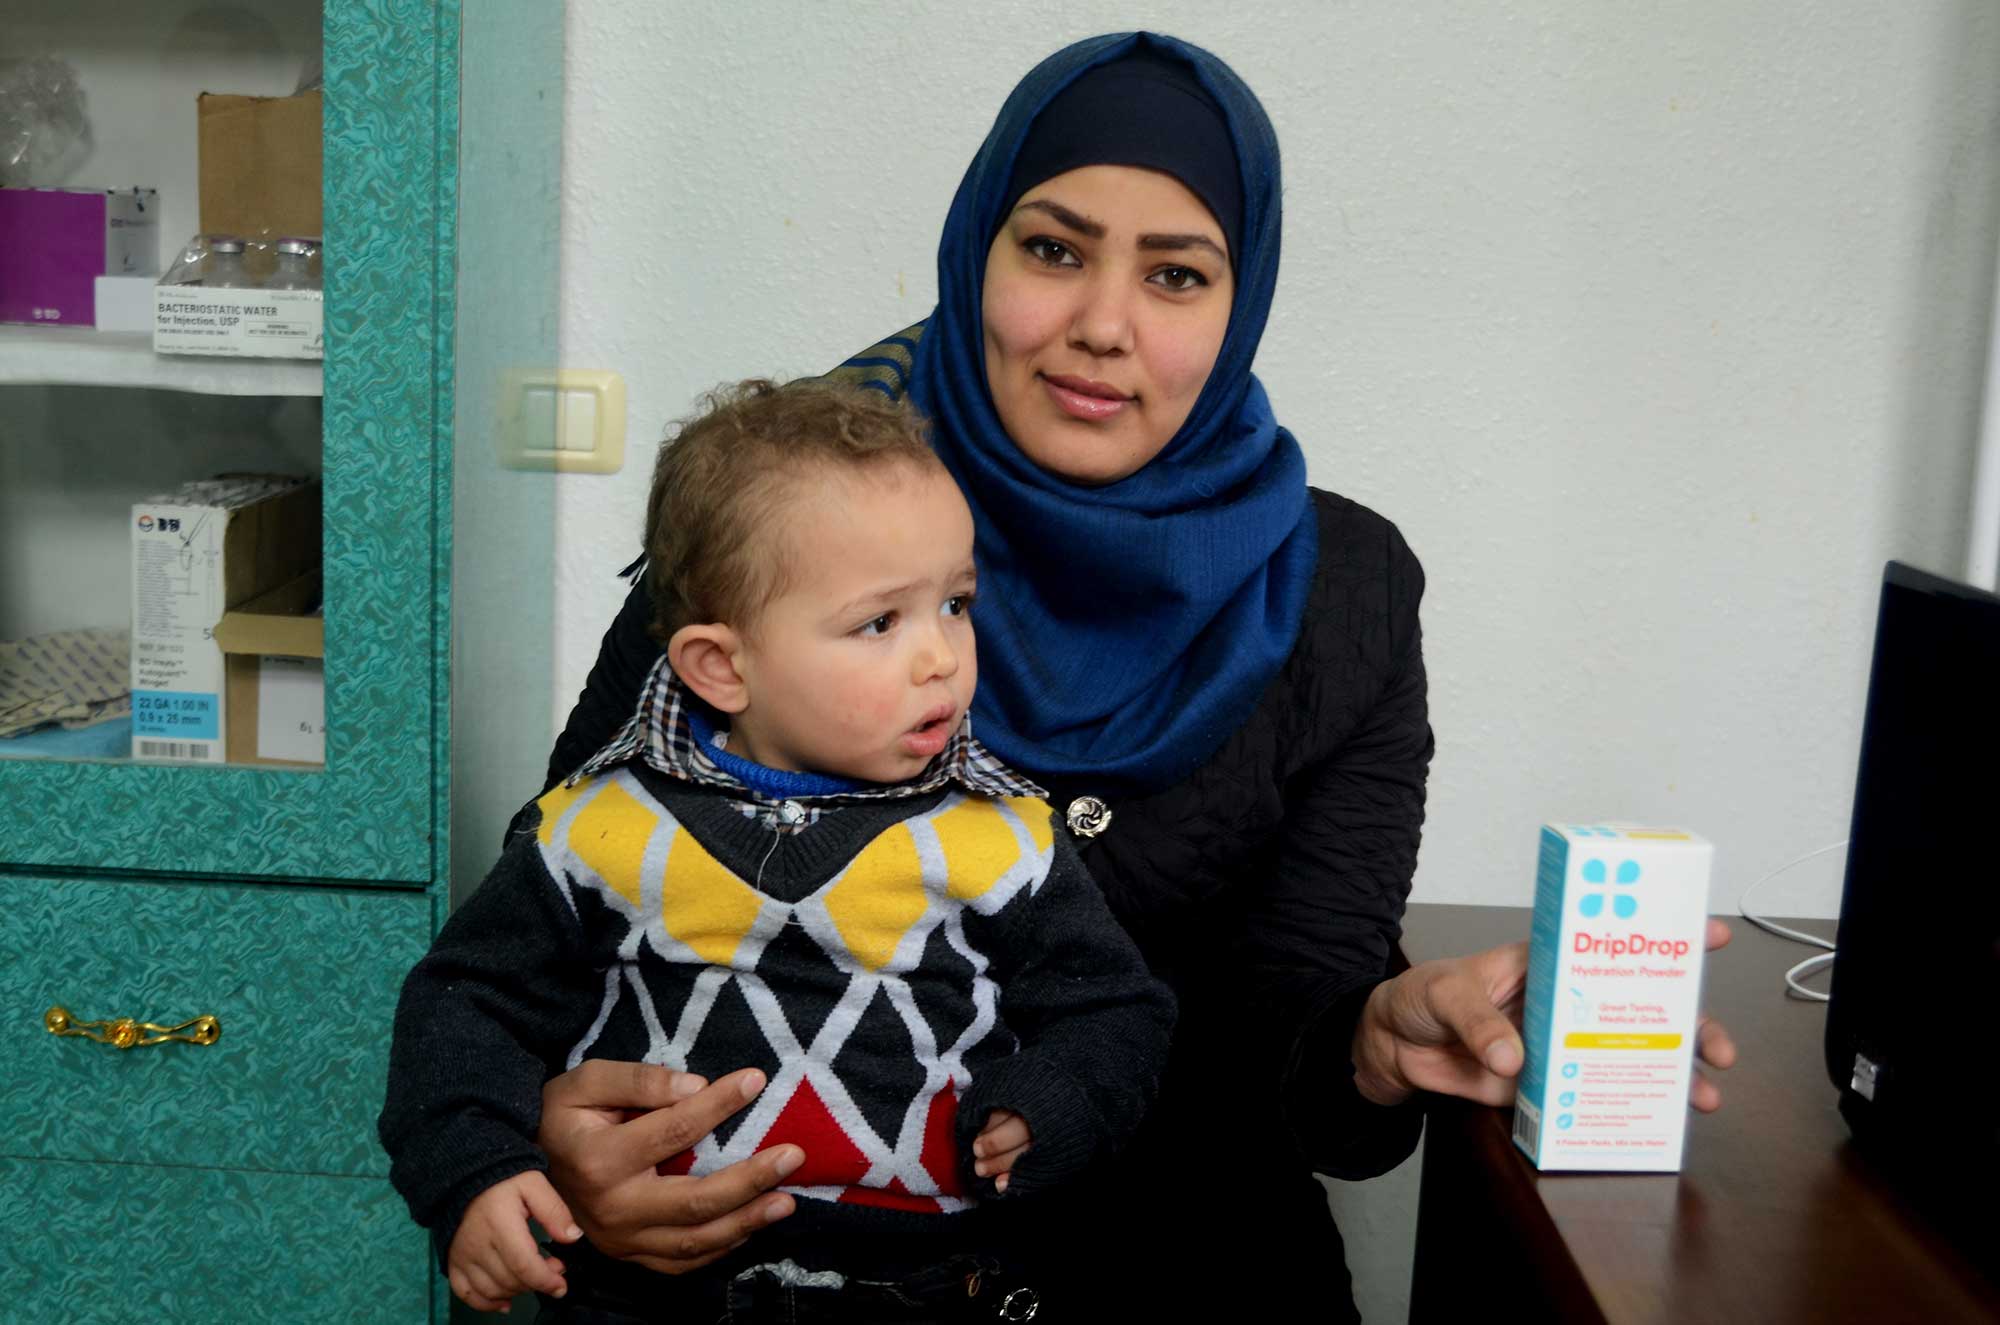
223, 268
293, 271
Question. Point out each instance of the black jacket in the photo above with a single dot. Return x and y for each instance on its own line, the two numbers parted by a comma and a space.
1267, 889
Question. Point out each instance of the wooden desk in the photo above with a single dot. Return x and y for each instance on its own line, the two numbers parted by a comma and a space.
1774, 1217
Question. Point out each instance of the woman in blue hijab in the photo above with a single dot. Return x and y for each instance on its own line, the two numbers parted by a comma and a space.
1139, 603
1216, 671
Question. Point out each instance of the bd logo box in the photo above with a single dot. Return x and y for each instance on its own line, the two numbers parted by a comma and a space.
203, 549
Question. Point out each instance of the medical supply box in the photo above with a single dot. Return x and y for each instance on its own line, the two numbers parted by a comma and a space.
197, 552
55, 243
274, 667
1613, 997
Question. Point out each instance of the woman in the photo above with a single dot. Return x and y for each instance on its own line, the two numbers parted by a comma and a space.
1216, 669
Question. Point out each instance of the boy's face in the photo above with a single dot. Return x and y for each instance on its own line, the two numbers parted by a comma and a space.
863, 666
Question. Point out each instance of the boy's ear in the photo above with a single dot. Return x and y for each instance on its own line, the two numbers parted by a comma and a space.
704, 658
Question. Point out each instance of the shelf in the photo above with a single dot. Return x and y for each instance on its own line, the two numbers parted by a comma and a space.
84, 356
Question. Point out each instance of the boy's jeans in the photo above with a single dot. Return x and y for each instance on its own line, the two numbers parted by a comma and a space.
962, 1289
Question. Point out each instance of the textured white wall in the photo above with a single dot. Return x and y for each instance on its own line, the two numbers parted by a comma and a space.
1657, 331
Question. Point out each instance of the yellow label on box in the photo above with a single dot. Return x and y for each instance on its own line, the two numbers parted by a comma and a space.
1619, 1040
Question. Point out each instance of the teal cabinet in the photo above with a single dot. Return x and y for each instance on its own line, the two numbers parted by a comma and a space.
123, 1244
241, 1179
302, 983
372, 816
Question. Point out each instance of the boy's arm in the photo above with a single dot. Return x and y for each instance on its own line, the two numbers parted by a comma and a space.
505, 985
1093, 1025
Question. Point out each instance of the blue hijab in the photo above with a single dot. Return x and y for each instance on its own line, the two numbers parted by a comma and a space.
1126, 630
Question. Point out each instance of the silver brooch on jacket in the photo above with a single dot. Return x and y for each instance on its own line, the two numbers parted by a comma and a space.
1088, 816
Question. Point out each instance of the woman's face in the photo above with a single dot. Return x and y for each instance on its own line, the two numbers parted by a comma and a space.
1107, 294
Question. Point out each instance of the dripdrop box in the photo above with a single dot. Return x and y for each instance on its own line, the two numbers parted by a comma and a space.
1613, 997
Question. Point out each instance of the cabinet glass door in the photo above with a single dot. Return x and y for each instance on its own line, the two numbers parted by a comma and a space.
98, 434
504, 474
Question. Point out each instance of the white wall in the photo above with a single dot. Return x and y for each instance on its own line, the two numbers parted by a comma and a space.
1657, 329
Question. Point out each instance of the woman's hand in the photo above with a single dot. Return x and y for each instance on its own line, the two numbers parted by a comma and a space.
605, 1167
1453, 1026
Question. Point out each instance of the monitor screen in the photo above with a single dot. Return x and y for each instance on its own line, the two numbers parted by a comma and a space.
1916, 977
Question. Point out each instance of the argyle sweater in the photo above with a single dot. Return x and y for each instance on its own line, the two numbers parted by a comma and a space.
898, 969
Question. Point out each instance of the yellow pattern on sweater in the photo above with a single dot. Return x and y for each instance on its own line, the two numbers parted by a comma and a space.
608, 832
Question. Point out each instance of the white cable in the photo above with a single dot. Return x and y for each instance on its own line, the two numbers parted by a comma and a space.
1810, 964
1801, 971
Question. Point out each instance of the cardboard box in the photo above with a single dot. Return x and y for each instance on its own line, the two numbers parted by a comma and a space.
260, 164
55, 243
1613, 997
197, 552
274, 651
258, 324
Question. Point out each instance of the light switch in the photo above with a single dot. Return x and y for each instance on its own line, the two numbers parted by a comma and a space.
578, 429
567, 419
538, 418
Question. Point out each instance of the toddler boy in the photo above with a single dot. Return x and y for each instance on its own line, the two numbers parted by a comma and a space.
795, 857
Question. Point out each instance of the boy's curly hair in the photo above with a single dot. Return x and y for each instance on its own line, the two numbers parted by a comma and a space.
714, 548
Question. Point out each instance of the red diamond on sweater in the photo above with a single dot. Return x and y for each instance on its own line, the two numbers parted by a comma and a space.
832, 1160
940, 1154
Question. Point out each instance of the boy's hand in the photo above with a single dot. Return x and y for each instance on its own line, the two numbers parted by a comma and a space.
493, 1256
1004, 1139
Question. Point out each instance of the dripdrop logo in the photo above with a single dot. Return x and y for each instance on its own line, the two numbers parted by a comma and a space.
1623, 905
1634, 944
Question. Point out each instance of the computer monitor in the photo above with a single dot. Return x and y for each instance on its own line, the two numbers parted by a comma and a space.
1911, 1028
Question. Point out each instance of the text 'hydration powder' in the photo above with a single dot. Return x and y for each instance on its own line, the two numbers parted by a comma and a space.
1613, 998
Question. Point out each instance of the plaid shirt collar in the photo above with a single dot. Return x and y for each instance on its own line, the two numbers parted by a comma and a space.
659, 733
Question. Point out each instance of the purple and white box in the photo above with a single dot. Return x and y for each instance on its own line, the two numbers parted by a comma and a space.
55, 243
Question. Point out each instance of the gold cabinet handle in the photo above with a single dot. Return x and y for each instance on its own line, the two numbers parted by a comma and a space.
125, 1033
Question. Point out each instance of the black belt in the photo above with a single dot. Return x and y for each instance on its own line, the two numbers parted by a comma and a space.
963, 1288
956, 1291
